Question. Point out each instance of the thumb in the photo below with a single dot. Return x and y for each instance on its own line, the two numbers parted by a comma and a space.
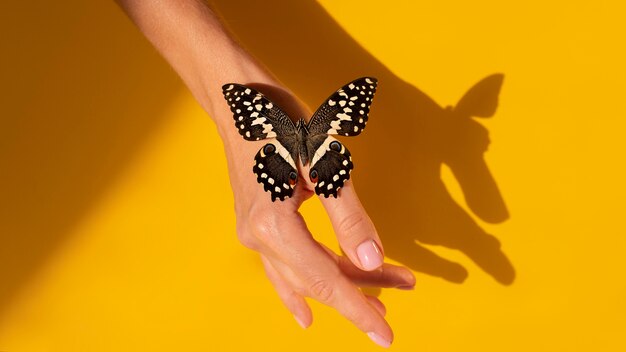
355, 231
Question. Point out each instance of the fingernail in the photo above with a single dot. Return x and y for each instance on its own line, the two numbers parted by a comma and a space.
379, 340
369, 255
300, 322
406, 287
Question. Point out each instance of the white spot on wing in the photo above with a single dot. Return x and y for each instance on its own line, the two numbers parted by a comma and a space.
284, 153
334, 125
259, 121
321, 150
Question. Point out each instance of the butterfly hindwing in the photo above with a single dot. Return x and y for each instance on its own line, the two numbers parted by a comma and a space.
331, 164
345, 112
256, 117
276, 170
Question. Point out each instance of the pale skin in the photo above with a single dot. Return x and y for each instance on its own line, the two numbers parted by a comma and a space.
194, 42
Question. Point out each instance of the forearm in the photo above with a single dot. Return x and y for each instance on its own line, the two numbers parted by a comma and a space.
191, 38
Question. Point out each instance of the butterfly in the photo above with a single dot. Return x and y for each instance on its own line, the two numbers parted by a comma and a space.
344, 113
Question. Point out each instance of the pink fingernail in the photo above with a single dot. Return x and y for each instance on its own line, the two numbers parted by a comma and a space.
369, 255
406, 287
300, 322
379, 340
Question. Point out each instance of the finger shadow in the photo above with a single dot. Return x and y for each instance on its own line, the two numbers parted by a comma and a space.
83, 91
399, 158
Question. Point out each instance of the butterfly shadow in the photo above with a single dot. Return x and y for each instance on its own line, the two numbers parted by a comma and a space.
399, 158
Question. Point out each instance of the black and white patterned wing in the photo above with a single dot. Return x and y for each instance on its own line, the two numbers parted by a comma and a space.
276, 170
331, 164
256, 117
345, 112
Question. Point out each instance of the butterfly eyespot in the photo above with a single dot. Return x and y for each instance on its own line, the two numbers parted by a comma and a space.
336, 146
292, 178
313, 175
269, 149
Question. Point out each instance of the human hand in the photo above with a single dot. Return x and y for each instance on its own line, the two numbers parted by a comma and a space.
297, 265
191, 38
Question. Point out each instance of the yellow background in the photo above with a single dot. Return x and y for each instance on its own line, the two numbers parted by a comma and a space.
116, 224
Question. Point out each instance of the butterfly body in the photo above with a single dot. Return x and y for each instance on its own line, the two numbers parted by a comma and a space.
343, 113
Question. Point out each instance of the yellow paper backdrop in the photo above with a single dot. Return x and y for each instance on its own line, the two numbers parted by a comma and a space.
116, 224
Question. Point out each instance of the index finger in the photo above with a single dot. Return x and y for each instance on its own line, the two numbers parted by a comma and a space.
355, 231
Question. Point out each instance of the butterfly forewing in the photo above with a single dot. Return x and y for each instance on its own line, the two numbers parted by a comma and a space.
345, 112
256, 117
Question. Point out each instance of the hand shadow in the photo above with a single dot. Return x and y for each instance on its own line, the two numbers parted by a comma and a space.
409, 137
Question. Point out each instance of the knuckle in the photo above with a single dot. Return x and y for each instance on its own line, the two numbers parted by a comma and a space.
263, 226
321, 289
350, 224
263, 231
258, 226
246, 238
